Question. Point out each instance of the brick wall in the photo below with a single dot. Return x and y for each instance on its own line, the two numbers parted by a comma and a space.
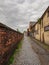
9, 39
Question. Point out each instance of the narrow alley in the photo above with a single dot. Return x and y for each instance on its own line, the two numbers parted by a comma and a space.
26, 56
24, 32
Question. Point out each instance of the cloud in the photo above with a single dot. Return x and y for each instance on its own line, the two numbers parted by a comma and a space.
20, 1
18, 13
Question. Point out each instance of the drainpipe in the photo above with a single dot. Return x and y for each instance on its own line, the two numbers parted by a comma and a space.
40, 32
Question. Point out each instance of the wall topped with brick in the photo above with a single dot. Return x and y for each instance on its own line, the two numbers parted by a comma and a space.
9, 39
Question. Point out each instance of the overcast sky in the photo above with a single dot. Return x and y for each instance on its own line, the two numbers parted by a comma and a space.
18, 13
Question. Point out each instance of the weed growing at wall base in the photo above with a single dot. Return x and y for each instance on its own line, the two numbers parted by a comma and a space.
15, 52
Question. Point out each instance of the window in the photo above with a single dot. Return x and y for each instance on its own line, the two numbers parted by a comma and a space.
48, 13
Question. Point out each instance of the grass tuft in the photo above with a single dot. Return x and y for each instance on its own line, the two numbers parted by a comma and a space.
17, 50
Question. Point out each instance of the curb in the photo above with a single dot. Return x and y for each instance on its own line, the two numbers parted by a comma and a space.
40, 44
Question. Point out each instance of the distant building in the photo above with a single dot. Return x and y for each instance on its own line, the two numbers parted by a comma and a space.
28, 32
31, 28
36, 29
31, 25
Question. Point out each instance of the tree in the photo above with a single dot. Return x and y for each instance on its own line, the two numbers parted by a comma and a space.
39, 20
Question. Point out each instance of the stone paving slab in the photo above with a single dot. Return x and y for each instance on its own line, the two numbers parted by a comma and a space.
26, 56
42, 53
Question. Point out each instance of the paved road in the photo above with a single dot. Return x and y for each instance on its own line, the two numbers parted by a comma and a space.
26, 55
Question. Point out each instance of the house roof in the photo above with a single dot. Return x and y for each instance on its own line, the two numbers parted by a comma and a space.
45, 12
32, 23
42, 15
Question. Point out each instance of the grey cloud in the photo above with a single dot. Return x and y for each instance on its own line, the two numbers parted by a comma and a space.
18, 13
31, 1
20, 1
